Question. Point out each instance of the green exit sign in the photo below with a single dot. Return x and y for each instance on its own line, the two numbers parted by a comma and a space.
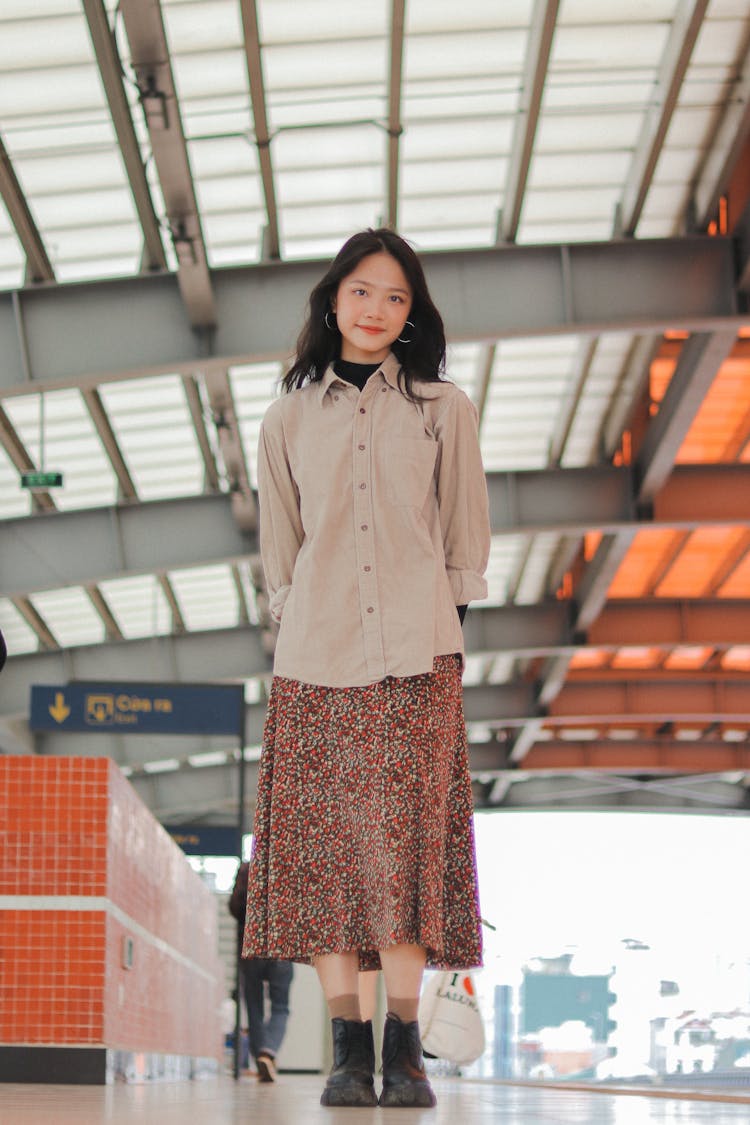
41, 481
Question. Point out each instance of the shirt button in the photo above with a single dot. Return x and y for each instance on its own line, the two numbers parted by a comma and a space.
362, 410
370, 609
384, 390
363, 486
335, 398
363, 527
360, 447
367, 569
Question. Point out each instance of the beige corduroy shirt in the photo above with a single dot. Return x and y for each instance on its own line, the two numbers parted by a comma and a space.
374, 526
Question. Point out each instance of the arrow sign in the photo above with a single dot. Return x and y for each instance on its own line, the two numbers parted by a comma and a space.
137, 708
59, 710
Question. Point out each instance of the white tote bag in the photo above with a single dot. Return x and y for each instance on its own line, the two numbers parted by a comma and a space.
450, 1023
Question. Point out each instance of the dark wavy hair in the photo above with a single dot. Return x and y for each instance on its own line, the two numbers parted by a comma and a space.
422, 358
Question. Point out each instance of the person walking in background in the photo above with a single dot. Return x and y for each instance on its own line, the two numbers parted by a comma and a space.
258, 975
374, 536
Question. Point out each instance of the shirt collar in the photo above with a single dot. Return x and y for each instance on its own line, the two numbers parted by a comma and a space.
389, 369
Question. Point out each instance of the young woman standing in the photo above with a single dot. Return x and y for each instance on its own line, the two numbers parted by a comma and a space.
374, 536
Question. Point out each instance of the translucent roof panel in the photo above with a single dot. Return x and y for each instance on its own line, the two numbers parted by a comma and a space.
154, 430
12, 261
70, 615
462, 368
253, 388
210, 74
71, 445
19, 636
139, 605
505, 552
714, 65
599, 388
533, 575
61, 141
207, 597
529, 382
460, 91
327, 201
603, 64
14, 500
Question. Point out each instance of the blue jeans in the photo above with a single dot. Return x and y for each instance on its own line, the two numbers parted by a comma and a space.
265, 1035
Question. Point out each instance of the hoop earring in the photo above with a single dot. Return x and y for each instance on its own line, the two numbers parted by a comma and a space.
330, 327
407, 341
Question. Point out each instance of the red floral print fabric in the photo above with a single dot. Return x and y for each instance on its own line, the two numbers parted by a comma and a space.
363, 832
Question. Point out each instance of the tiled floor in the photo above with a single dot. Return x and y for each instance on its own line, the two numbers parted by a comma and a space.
296, 1099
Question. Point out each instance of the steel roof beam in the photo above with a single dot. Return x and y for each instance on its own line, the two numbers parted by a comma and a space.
254, 62
230, 654
19, 457
728, 140
38, 265
101, 606
539, 46
103, 426
527, 631
129, 539
135, 327
221, 401
668, 698
125, 539
536, 630
110, 69
149, 58
195, 406
640, 755
395, 129
43, 552
701, 357
513, 704
683, 34
631, 385
212, 793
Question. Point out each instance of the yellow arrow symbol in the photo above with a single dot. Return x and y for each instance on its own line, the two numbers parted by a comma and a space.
60, 711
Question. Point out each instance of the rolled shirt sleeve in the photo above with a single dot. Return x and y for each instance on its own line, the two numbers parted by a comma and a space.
281, 532
462, 499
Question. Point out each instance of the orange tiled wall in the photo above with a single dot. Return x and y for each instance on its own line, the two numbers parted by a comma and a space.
83, 867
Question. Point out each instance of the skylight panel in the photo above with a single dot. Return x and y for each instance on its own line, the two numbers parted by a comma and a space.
71, 446
14, 500
284, 21
253, 389
532, 585
12, 260
350, 64
451, 139
205, 25
207, 597
462, 363
335, 149
503, 560
20, 638
152, 423
70, 616
139, 605
56, 126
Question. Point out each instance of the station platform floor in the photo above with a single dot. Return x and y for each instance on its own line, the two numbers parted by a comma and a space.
295, 1098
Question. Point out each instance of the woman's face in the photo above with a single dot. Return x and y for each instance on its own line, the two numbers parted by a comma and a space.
371, 307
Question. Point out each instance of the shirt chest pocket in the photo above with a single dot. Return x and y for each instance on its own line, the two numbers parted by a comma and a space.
409, 470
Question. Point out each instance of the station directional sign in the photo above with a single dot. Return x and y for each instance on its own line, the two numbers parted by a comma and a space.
138, 708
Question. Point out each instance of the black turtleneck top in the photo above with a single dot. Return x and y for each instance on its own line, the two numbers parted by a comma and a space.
358, 374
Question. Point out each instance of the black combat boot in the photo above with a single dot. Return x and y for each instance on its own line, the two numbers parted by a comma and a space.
404, 1080
351, 1080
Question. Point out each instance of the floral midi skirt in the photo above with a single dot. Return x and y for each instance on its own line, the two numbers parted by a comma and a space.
363, 833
